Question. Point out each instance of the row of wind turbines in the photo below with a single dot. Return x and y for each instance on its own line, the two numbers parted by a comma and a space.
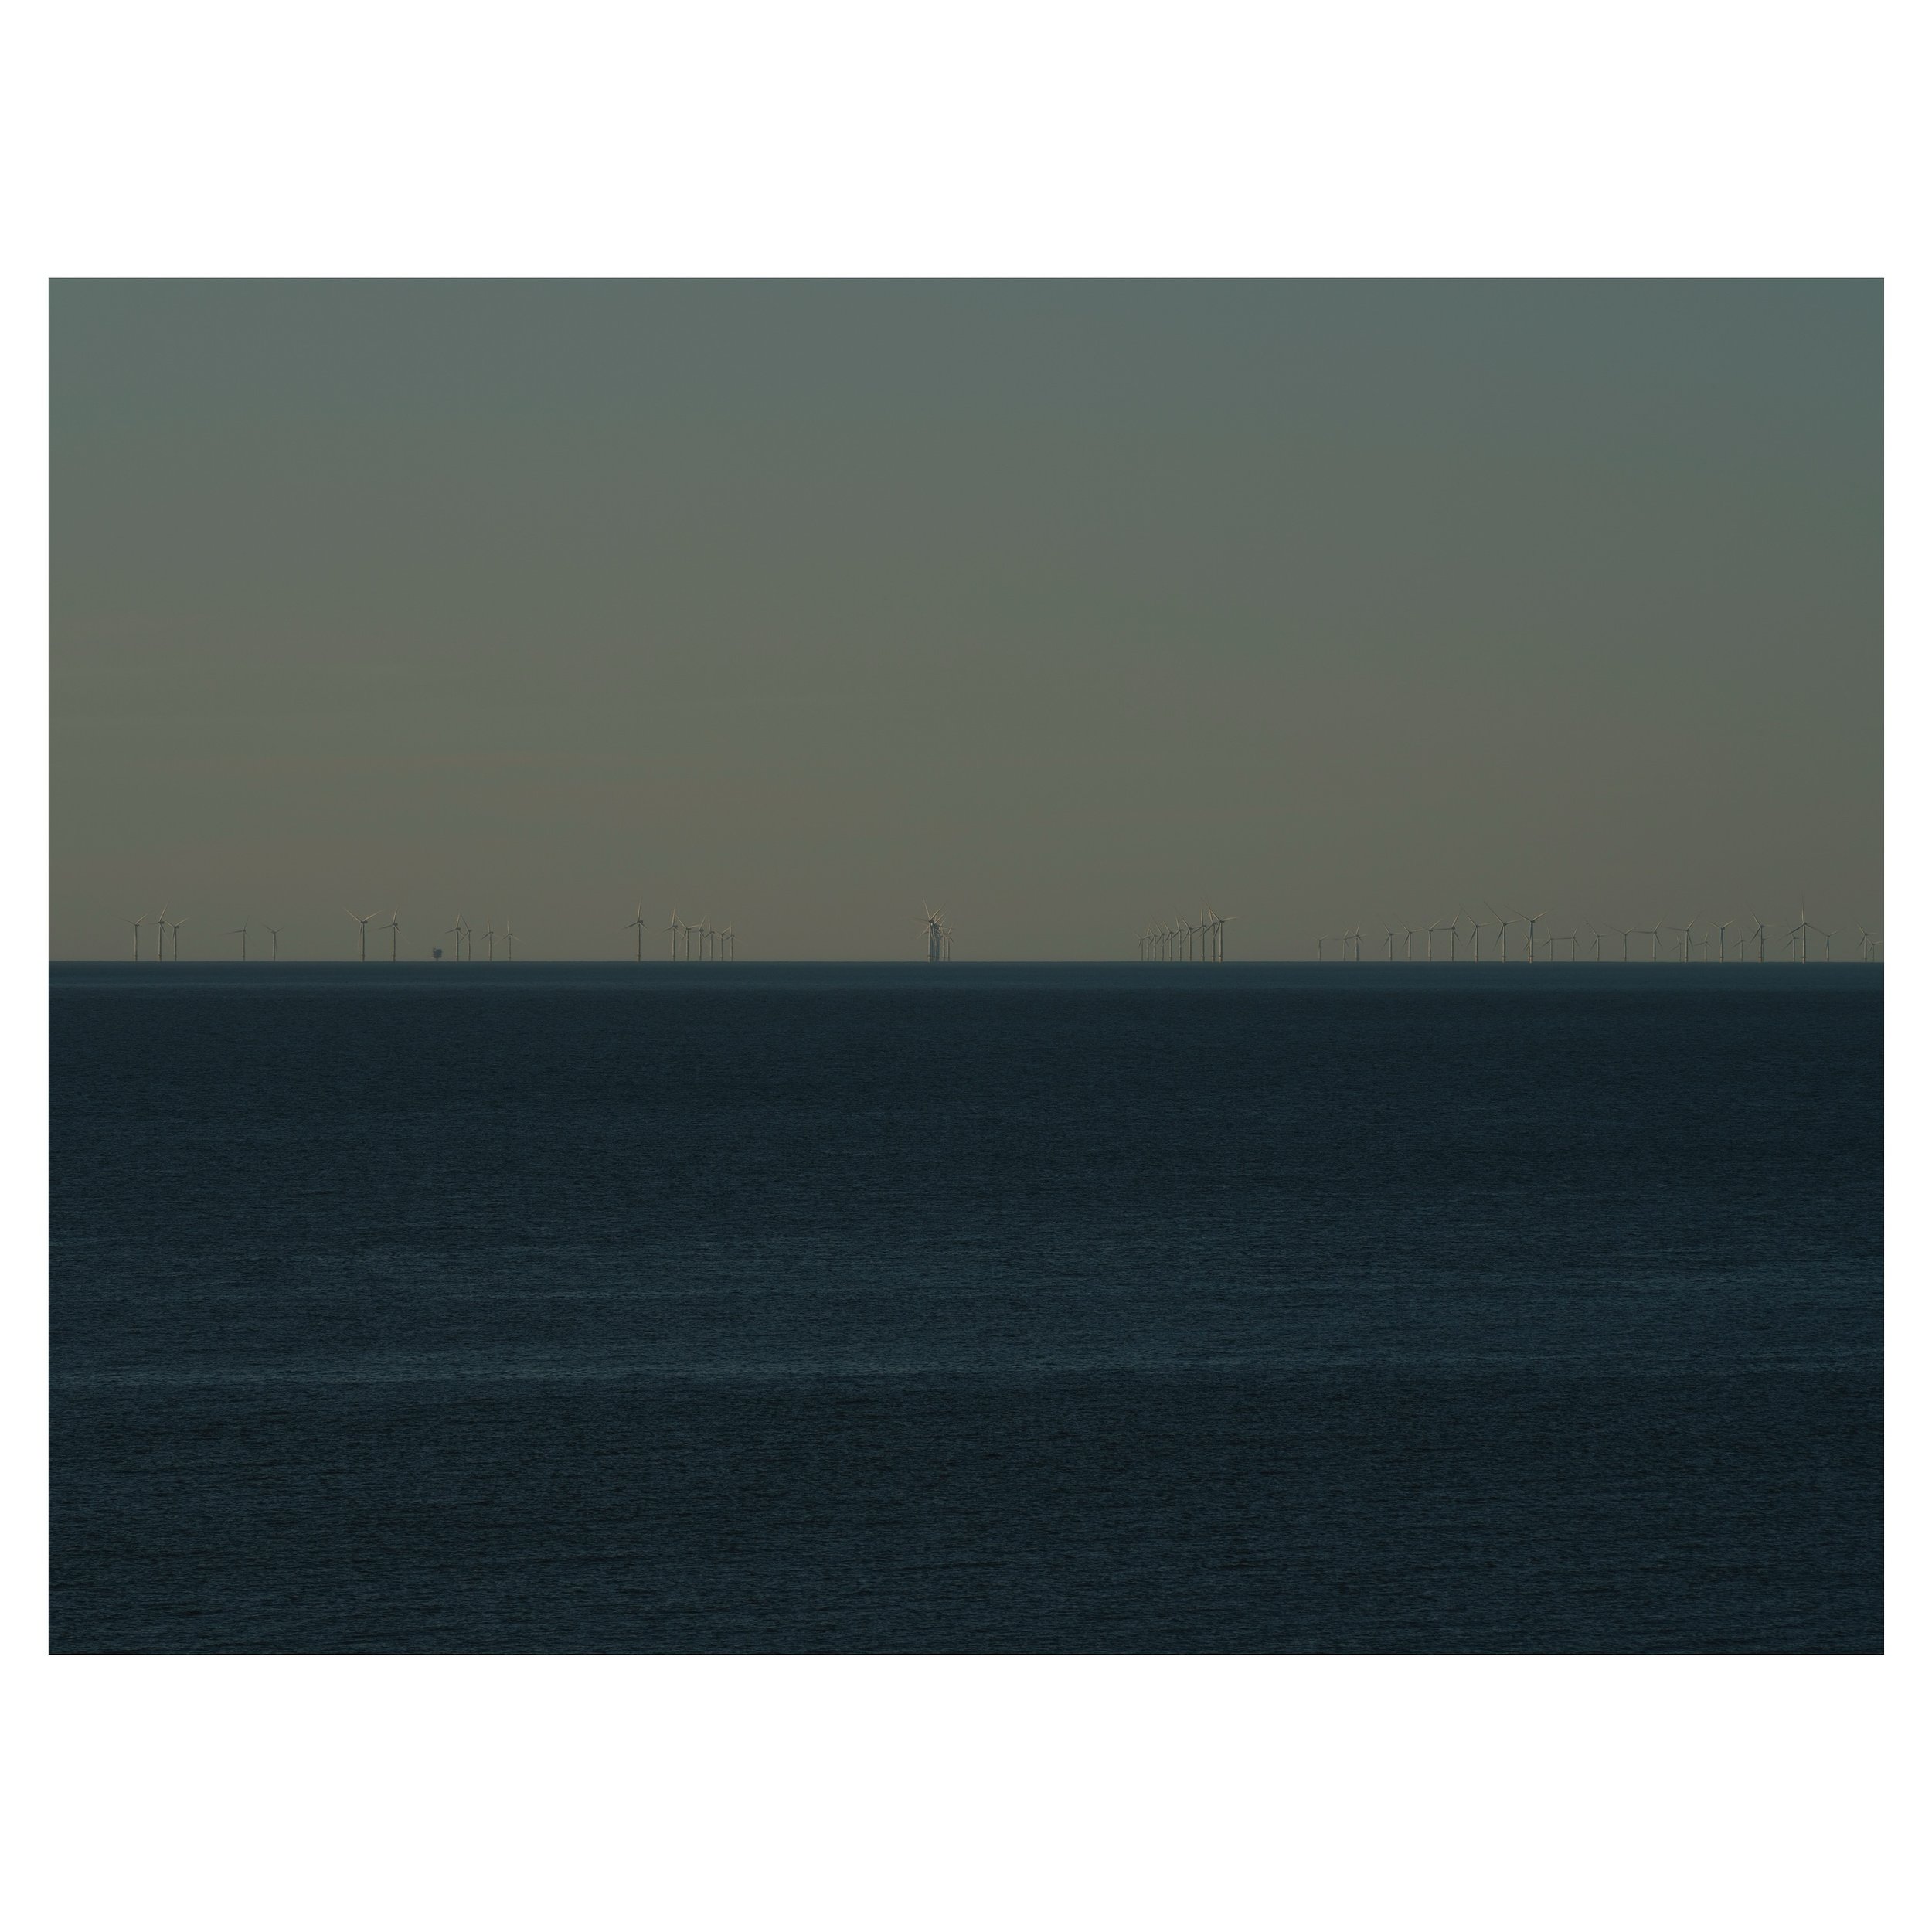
699, 941
168, 936
1204, 939
1178, 939
1714, 945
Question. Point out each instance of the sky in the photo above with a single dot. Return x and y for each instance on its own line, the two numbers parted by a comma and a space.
1063, 607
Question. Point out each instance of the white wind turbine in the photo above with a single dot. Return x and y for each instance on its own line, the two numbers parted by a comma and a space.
489, 939
674, 929
1799, 938
242, 928
1502, 933
274, 941
361, 932
161, 933
933, 927
1685, 929
459, 929
174, 938
637, 926
136, 924
1530, 920
509, 945
394, 929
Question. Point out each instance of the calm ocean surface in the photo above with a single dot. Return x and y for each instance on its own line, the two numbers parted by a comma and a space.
1136, 1308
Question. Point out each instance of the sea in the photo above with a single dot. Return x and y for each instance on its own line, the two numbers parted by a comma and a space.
687, 1308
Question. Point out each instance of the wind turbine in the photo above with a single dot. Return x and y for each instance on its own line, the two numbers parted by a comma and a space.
674, 929
1649, 932
160, 932
1530, 920
459, 929
394, 929
509, 945
1723, 930
1502, 932
361, 932
489, 939
274, 941
934, 925
242, 928
1685, 929
136, 924
637, 925
174, 938
1623, 934
1801, 932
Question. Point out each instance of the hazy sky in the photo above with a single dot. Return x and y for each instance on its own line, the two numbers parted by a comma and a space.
1062, 607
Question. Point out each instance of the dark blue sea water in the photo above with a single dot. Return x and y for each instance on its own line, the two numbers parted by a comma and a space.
1146, 1308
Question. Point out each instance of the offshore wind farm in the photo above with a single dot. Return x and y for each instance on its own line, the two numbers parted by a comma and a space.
1198, 940
995, 967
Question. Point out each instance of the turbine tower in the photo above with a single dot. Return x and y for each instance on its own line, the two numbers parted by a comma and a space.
136, 924
394, 929
242, 928
361, 932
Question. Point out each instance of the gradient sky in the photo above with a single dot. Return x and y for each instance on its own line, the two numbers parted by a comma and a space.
1062, 607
